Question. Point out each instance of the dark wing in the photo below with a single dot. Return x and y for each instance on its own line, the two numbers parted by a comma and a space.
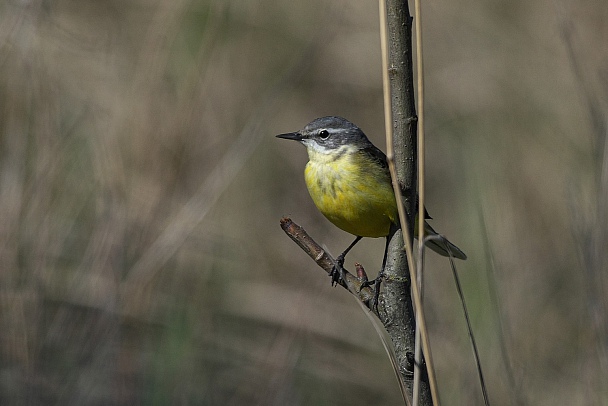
380, 158
376, 155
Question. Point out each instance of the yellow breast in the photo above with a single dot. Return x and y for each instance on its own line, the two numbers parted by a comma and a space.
353, 192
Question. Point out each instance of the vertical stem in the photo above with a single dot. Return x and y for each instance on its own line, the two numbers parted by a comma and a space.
400, 321
421, 211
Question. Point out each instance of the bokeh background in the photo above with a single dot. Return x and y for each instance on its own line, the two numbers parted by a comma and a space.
141, 187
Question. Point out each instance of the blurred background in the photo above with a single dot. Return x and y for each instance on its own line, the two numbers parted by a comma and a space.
141, 187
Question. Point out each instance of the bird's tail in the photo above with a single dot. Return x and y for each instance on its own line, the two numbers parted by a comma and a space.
441, 245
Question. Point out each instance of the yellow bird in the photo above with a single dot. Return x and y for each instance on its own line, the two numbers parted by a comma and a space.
349, 182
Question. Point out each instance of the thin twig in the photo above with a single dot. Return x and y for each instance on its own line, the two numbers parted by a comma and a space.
515, 388
421, 188
466, 316
350, 282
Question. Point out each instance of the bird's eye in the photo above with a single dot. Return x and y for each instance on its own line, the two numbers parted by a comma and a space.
323, 134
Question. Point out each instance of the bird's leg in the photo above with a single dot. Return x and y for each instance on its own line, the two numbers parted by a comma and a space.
376, 282
337, 272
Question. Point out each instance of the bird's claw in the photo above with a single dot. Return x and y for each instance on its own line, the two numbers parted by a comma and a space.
337, 272
373, 303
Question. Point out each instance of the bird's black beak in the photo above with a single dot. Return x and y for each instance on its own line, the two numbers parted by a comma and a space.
291, 136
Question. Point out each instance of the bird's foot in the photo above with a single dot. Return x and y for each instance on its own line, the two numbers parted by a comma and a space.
373, 304
337, 272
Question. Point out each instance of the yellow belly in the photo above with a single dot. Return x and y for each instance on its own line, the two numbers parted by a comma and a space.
355, 195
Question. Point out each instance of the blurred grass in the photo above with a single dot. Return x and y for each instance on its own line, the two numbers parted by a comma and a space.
113, 114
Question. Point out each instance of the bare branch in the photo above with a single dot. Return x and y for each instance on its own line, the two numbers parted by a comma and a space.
351, 282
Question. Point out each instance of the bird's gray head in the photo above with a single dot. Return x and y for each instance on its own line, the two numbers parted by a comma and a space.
329, 134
